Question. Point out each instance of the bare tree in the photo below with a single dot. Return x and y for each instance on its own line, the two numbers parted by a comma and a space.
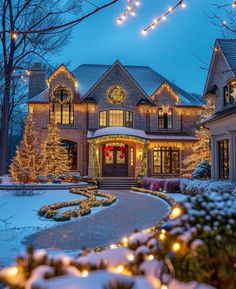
33, 29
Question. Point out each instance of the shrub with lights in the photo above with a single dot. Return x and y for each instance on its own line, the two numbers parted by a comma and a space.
84, 205
198, 242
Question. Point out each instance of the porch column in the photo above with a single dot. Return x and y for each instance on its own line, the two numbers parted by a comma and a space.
214, 158
90, 160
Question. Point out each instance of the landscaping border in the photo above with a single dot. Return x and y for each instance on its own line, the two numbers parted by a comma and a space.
67, 186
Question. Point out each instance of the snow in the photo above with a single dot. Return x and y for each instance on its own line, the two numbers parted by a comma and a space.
19, 218
178, 197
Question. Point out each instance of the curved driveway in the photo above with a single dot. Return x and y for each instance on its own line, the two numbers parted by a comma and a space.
131, 211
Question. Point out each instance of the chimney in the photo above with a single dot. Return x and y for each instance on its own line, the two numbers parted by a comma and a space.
37, 79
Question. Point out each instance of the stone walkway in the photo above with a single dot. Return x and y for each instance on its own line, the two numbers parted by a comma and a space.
131, 211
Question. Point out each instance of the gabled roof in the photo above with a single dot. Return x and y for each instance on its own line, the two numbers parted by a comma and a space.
228, 47
144, 77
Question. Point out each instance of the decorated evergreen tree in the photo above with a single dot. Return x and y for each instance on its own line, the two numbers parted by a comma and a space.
27, 165
201, 149
55, 154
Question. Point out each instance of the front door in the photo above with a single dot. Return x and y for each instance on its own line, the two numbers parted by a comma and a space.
115, 160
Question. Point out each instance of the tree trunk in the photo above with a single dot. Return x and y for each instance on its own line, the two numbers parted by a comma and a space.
5, 124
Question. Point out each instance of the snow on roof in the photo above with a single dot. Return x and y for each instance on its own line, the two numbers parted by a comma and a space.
228, 47
116, 130
148, 80
42, 97
170, 137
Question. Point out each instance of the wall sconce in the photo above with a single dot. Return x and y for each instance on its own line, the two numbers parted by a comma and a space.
140, 155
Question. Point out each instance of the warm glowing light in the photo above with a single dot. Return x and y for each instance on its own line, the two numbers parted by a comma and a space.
84, 273
176, 247
12, 271
125, 241
113, 246
130, 257
175, 213
120, 269
150, 257
144, 32
162, 236
14, 35
163, 286
163, 231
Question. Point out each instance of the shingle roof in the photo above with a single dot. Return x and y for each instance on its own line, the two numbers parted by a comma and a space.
148, 80
228, 47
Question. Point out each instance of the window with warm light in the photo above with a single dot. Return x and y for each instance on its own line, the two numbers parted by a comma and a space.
128, 118
62, 109
165, 119
223, 148
116, 117
230, 93
166, 160
103, 118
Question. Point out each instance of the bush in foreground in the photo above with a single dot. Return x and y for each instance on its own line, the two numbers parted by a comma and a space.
197, 243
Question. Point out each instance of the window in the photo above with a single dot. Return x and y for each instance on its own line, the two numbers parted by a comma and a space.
103, 118
116, 117
165, 160
62, 110
165, 119
72, 153
230, 93
223, 147
128, 118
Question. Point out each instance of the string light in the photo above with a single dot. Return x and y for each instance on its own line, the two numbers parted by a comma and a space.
234, 4
130, 257
130, 9
14, 35
170, 10
84, 273
176, 247
175, 213
163, 286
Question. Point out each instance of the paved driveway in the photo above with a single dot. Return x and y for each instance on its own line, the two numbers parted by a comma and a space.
132, 211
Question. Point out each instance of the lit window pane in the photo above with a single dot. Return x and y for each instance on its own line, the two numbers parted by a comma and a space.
116, 118
103, 118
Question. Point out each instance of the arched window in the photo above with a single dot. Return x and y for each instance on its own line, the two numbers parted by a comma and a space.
165, 118
72, 153
62, 109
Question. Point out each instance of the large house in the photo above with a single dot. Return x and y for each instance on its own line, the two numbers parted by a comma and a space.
221, 89
116, 120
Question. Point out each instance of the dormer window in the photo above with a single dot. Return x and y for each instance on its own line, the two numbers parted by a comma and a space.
62, 109
230, 93
165, 118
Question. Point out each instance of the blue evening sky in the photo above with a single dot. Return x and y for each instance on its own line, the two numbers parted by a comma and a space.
170, 49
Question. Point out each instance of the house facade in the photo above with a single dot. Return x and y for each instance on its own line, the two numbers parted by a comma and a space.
116, 120
221, 89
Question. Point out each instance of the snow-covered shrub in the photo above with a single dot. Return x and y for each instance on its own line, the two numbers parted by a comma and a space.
193, 187
205, 240
56, 181
202, 170
42, 179
0, 180
70, 177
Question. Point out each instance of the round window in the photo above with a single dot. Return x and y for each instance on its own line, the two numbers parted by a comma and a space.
62, 94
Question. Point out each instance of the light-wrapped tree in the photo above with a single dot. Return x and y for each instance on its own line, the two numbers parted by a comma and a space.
201, 149
27, 165
55, 154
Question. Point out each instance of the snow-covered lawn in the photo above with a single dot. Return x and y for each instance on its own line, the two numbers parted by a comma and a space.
19, 218
178, 197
